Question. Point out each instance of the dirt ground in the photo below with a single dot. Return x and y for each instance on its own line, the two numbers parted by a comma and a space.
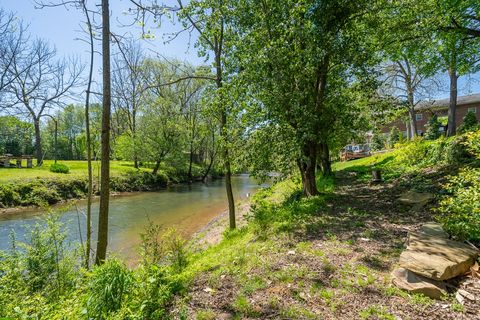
338, 267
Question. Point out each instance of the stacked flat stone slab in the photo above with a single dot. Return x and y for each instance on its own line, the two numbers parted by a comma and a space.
414, 283
431, 258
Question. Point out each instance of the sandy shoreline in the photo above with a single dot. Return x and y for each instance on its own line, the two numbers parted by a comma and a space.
212, 233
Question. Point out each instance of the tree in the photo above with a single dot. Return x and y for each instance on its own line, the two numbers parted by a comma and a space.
299, 61
127, 89
41, 83
394, 136
102, 238
192, 108
408, 78
82, 6
16, 136
461, 17
13, 41
458, 57
433, 128
444, 32
160, 133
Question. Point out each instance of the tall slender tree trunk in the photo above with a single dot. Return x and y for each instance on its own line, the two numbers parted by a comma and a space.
38, 141
224, 130
452, 108
212, 158
105, 164
134, 137
88, 140
228, 174
190, 176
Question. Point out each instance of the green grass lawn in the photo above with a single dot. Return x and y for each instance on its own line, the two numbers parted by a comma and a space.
366, 162
77, 169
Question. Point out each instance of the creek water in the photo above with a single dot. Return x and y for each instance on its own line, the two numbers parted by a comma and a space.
187, 208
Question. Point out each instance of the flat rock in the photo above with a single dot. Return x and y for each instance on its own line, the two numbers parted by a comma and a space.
413, 283
415, 198
434, 229
437, 257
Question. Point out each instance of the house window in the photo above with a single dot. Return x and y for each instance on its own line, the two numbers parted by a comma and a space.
472, 109
418, 116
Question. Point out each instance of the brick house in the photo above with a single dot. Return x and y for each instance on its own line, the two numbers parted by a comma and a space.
425, 110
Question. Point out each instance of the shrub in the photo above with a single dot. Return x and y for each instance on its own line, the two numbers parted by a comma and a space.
59, 168
419, 153
433, 128
413, 152
379, 141
457, 151
9, 197
472, 143
48, 265
34, 277
168, 249
139, 181
470, 123
460, 209
394, 136
109, 287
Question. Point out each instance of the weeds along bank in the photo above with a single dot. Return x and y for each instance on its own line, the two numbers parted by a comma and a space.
53, 183
45, 279
291, 252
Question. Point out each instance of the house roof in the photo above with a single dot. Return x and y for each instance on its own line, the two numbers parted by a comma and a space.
443, 103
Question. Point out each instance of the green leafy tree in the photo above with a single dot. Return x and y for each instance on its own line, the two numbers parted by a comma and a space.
16, 136
394, 136
433, 128
470, 123
161, 130
298, 61
458, 56
378, 141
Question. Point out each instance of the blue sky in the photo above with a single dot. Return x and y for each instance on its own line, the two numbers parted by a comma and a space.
61, 27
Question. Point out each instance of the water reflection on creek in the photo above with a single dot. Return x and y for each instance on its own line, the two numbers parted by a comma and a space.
186, 207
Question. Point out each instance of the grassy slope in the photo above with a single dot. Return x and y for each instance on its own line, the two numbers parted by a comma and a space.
331, 261
324, 257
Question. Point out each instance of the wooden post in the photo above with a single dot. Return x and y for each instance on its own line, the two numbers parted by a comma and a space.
29, 162
376, 175
19, 162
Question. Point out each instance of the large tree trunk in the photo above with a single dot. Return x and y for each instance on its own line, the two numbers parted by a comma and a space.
413, 123
325, 157
105, 164
156, 167
452, 108
38, 142
411, 111
307, 165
